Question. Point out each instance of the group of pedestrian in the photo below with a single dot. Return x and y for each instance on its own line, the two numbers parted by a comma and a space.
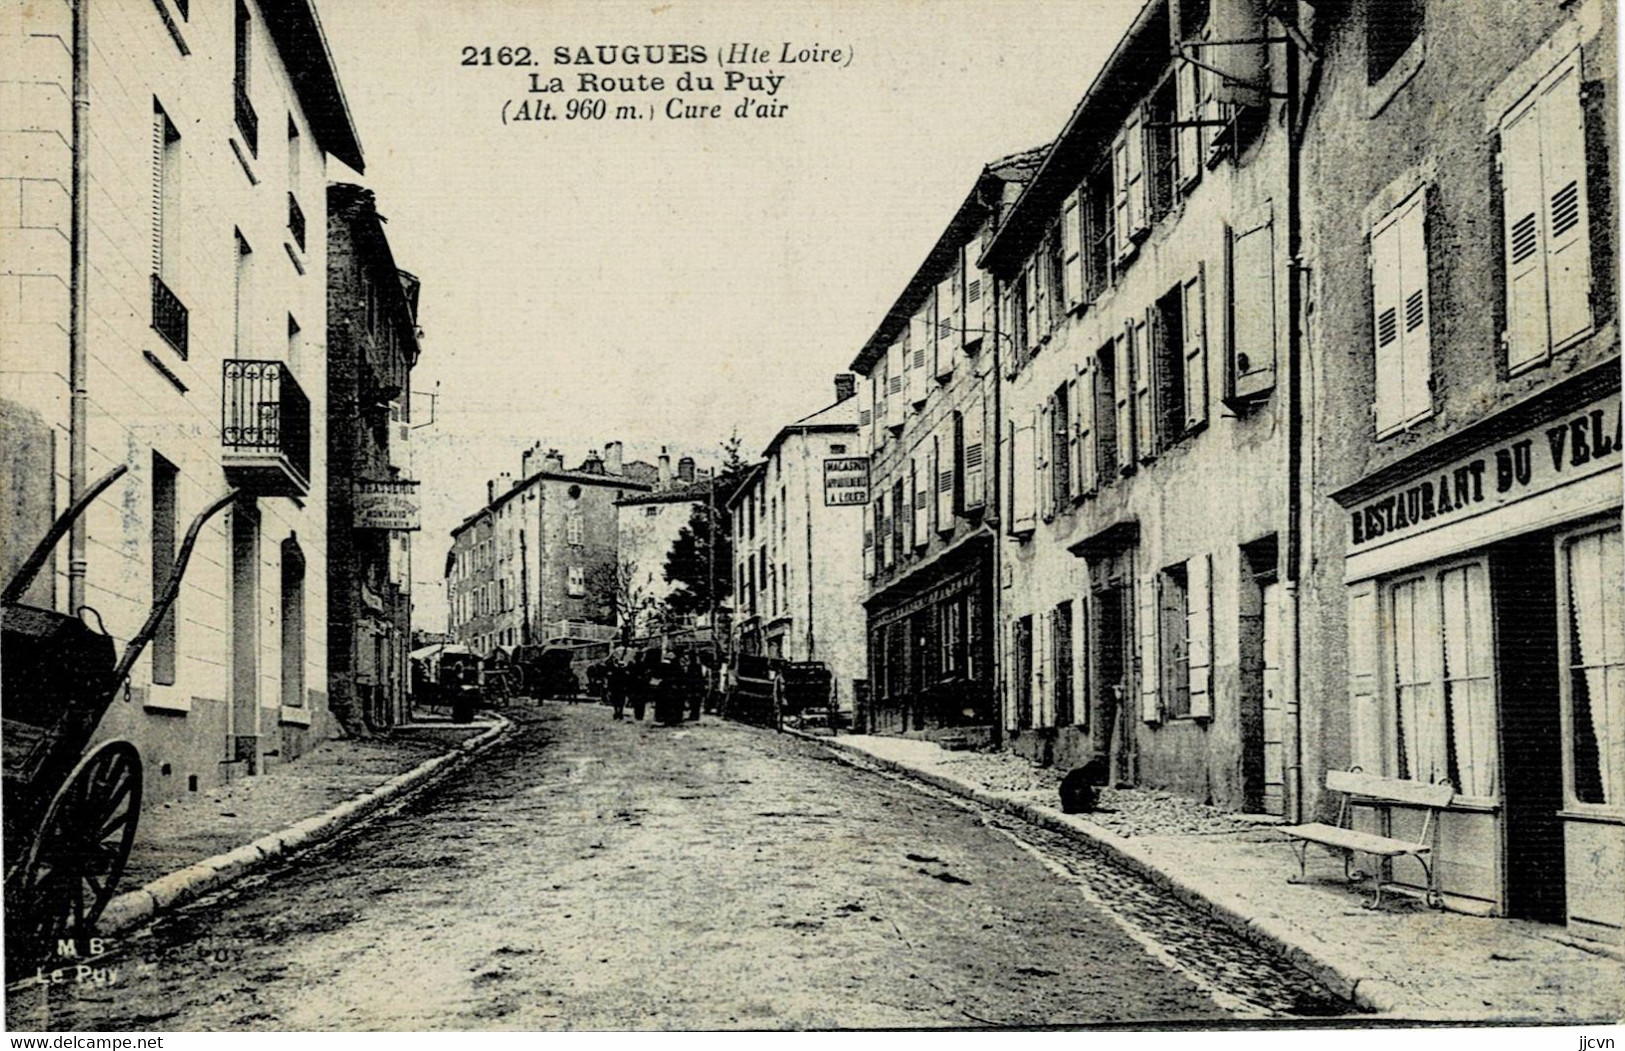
676, 685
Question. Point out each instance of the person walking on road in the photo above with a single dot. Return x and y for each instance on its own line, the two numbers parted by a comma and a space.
616, 679
693, 680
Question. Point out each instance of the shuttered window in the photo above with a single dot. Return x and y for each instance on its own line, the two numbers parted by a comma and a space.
1085, 399
921, 342
1193, 319
1128, 179
1145, 378
949, 324
1188, 147
1173, 639
1123, 396
1149, 624
1041, 459
1547, 224
1074, 438
1251, 273
1400, 316
922, 471
1199, 636
943, 459
1023, 514
1072, 250
975, 455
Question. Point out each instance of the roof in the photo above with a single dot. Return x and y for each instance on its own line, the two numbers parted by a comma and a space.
1129, 72
748, 476
303, 46
982, 201
839, 417
685, 494
619, 481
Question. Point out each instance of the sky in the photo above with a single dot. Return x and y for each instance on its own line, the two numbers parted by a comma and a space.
668, 282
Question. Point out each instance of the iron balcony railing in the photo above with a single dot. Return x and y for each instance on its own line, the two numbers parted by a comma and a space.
169, 315
296, 221
264, 410
248, 121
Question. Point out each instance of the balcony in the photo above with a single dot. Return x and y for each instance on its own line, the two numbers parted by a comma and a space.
248, 122
168, 316
264, 429
296, 221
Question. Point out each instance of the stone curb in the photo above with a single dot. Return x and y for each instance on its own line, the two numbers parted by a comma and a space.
1369, 992
135, 907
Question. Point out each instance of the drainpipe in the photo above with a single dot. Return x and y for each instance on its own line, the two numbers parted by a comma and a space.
79, 234
806, 494
995, 492
1295, 427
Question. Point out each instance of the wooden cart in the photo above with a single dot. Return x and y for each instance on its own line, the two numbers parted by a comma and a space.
70, 814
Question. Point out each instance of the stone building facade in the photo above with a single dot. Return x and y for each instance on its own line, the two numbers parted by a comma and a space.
928, 423
372, 500
797, 587
1143, 284
649, 524
1463, 617
540, 562
203, 350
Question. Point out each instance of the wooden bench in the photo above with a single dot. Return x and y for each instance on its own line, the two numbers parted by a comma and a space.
1368, 790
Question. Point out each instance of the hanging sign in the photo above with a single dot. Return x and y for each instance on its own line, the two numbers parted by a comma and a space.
387, 505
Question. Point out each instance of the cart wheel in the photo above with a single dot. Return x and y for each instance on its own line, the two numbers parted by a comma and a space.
81, 848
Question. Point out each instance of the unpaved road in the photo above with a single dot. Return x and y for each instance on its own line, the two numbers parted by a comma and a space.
590, 874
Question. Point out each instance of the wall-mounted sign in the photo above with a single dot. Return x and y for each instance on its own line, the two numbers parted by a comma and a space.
1536, 461
387, 505
846, 480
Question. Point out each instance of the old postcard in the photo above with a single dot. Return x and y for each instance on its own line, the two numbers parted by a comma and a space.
811, 515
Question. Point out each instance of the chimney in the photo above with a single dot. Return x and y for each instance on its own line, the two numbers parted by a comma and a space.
592, 464
665, 468
612, 457
526, 460
490, 491
846, 386
553, 461
685, 470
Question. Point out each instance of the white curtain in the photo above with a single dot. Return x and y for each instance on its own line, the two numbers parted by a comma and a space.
1597, 678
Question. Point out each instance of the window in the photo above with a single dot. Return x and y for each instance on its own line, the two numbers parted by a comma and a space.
955, 623
1593, 654
1015, 319
1441, 714
1180, 636
1053, 273
1399, 309
1061, 440
293, 156
1070, 281
166, 192
247, 121
948, 323
837, 450
1190, 88
944, 461
1251, 249
1162, 146
1169, 336
295, 345
1023, 477
1099, 235
1061, 659
293, 625
1129, 181
973, 425
1390, 28
1106, 450
577, 585
1546, 216
165, 643
1022, 673
921, 472
242, 300
899, 513
1174, 640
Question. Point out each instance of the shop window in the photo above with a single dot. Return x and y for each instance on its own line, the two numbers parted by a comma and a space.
1547, 228
1400, 317
1391, 26
1593, 651
1441, 718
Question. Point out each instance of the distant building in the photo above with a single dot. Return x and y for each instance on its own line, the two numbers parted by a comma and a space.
540, 562
372, 500
797, 586
649, 524
206, 310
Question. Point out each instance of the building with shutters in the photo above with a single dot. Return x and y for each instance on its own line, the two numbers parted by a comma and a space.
372, 498
1463, 618
797, 526
540, 562
927, 416
199, 356
649, 523
1143, 278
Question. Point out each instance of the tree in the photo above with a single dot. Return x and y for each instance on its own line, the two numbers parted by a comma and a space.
690, 564
617, 586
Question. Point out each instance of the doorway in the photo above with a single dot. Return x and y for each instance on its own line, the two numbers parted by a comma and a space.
1108, 691
1524, 589
1023, 673
245, 643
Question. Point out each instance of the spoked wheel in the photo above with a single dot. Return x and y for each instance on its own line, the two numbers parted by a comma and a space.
81, 848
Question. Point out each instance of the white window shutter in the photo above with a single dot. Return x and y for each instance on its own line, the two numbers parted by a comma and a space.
1029, 280
1386, 328
948, 334
975, 456
945, 476
1043, 292
1022, 478
1150, 604
1365, 705
1568, 224
1122, 221
1199, 603
1074, 437
1145, 385
921, 342
1123, 362
1139, 204
923, 471
1188, 147
1072, 249
1252, 299
1416, 312
1528, 337
1087, 481
990, 293
1041, 460
971, 291
1194, 315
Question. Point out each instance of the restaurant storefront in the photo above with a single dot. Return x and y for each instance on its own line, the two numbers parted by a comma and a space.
1485, 592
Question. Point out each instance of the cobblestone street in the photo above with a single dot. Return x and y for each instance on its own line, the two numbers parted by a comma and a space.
593, 874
